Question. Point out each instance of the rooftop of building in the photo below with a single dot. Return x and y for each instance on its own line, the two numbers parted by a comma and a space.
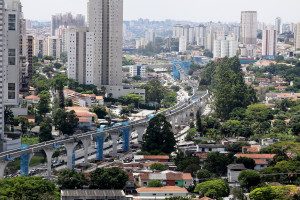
166, 189
92, 193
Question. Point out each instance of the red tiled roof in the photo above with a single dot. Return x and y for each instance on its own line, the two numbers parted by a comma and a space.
260, 162
32, 97
256, 156
156, 157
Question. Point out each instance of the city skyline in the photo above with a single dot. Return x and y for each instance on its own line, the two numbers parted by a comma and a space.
199, 12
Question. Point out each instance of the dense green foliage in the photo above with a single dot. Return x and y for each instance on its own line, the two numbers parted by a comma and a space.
216, 163
66, 122
159, 137
33, 188
269, 192
70, 179
249, 179
214, 189
100, 112
158, 167
225, 79
249, 163
126, 62
184, 160
110, 178
155, 183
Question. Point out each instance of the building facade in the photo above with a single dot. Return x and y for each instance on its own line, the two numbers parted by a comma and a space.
249, 27
136, 70
269, 43
105, 20
66, 20
278, 25
297, 37
80, 55
226, 47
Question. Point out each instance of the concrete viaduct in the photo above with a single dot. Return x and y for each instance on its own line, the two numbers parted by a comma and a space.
178, 114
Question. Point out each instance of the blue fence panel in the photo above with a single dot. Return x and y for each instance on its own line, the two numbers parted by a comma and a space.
125, 137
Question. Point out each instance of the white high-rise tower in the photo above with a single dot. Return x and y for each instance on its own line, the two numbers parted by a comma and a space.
269, 43
278, 24
249, 27
105, 21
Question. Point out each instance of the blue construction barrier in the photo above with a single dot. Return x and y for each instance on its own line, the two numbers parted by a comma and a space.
125, 137
151, 116
73, 159
24, 163
99, 149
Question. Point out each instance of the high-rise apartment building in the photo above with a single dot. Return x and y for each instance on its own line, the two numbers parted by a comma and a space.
249, 27
150, 36
200, 33
2, 69
182, 44
80, 55
269, 42
66, 20
297, 37
54, 46
177, 31
105, 21
225, 47
278, 25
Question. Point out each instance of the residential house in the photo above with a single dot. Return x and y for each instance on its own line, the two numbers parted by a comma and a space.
153, 158
261, 160
32, 99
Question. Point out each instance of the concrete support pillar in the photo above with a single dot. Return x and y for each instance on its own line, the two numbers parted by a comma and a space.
70, 150
115, 137
189, 116
49, 153
174, 124
3, 165
140, 131
86, 142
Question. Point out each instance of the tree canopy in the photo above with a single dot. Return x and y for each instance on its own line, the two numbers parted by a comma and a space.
34, 188
110, 178
155, 183
70, 179
214, 189
159, 136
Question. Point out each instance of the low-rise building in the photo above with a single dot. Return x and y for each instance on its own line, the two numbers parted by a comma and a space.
145, 193
152, 158
233, 172
261, 160
32, 99
93, 195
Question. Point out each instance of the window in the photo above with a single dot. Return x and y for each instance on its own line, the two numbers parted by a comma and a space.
11, 57
12, 22
11, 95
11, 86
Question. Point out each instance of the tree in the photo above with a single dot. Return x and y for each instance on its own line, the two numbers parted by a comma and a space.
69, 102
175, 88
190, 136
278, 59
208, 53
236, 147
270, 192
45, 133
249, 163
124, 113
158, 167
110, 178
57, 65
258, 113
64, 121
47, 58
100, 111
178, 198
137, 78
59, 81
203, 175
70, 179
249, 179
183, 160
131, 98
216, 163
8, 115
155, 92
159, 136
192, 169
24, 124
155, 183
43, 105
231, 128
214, 189
27, 188
199, 121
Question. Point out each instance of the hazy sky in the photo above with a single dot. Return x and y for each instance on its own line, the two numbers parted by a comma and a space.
192, 10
